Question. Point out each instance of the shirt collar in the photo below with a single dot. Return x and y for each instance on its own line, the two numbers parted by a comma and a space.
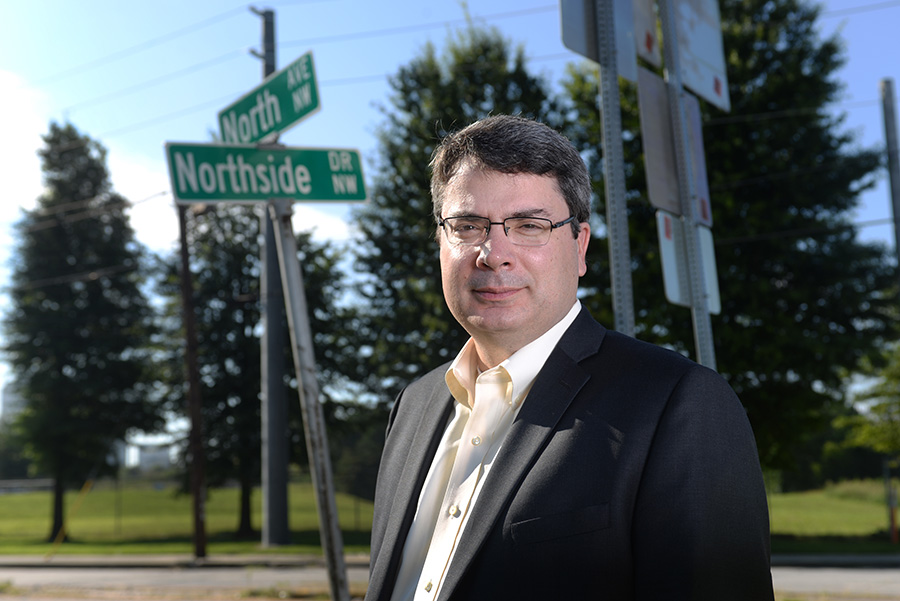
522, 366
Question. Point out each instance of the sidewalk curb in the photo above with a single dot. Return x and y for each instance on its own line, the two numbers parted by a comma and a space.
181, 561
262, 560
836, 561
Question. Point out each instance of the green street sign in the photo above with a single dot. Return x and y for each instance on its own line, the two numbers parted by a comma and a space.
241, 173
284, 98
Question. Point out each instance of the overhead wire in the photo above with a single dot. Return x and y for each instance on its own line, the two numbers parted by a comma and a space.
860, 9
392, 31
132, 50
142, 86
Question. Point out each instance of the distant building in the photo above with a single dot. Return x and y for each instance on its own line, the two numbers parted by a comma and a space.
11, 403
154, 457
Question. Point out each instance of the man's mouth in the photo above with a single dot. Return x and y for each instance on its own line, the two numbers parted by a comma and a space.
493, 293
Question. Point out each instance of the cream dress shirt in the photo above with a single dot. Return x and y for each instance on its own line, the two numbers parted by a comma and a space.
486, 405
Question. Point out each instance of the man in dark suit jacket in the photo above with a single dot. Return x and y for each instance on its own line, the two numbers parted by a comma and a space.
555, 459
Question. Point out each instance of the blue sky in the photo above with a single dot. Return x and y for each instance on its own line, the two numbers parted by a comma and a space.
135, 75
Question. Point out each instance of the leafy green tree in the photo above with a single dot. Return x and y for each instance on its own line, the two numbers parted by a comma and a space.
803, 299
405, 327
79, 325
877, 427
225, 256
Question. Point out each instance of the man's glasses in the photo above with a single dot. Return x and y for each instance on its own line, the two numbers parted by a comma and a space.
522, 231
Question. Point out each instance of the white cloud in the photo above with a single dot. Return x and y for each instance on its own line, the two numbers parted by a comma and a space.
25, 121
145, 184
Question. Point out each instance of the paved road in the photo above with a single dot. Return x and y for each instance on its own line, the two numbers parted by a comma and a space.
837, 583
305, 580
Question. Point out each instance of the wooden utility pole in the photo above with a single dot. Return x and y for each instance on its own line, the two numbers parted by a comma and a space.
195, 408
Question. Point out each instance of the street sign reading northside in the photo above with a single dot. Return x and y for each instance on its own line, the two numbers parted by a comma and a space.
216, 172
283, 99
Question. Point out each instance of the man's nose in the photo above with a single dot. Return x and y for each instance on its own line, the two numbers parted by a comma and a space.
497, 250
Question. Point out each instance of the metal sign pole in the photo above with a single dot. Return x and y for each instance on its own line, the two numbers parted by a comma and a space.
280, 212
686, 192
893, 154
614, 170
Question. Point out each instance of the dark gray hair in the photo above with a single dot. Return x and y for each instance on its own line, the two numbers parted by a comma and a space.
511, 144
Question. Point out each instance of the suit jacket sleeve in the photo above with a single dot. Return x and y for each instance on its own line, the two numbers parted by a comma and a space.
700, 526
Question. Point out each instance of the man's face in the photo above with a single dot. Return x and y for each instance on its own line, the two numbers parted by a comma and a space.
506, 295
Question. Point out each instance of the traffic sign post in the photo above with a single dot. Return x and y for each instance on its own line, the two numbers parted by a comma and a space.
308, 390
687, 192
215, 173
589, 28
280, 101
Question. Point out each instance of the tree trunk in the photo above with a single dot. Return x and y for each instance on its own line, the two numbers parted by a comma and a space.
245, 524
59, 493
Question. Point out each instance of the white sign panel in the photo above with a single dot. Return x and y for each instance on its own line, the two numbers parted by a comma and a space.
659, 147
674, 263
656, 137
701, 51
579, 32
646, 33
698, 158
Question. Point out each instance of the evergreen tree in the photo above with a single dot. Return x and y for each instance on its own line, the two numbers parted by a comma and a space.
79, 326
405, 328
803, 299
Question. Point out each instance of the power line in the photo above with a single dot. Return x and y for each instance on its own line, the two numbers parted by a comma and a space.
86, 276
81, 214
132, 50
391, 31
860, 9
803, 232
142, 86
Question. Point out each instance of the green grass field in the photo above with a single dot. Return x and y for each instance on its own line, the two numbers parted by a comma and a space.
848, 517
148, 518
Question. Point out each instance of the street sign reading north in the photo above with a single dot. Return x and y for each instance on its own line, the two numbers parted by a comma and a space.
283, 99
241, 173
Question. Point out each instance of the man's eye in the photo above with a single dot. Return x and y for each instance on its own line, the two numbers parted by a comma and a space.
530, 227
462, 227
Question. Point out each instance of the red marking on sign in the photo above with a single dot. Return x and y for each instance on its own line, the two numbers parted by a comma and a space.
668, 228
648, 41
717, 86
704, 209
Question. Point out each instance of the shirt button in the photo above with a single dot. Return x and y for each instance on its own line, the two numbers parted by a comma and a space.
476, 441
453, 511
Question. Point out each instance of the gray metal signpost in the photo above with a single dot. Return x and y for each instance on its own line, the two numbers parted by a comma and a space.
308, 390
602, 23
699, 308
586, 22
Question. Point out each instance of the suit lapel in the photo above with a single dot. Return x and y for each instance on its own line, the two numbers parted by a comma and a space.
555, 388
435, 412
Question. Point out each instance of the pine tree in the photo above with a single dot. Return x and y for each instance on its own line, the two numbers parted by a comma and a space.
79, 327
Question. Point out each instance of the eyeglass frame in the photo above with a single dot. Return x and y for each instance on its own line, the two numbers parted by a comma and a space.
490, 224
